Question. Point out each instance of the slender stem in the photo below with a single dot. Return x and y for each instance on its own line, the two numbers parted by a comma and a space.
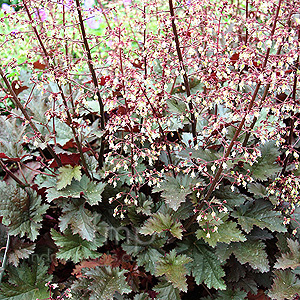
25, 114
292, 117
185, 77
127, 112
78, 144
247, 16
69, 118
95, 80
104, 14
237, 133
4, 258
247, 136
161, 132
11, 174
255, 118
90, 65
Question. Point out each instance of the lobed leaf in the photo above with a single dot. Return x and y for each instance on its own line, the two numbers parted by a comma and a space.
166, 291
176, 189
266, 165
231, 295
261, 214
103, 283
90, 190
22, 210
172, 266
146, 254
290, 259
19, 249
11, 139
66, 174
227, 232
26, 282
162, 222
285, 286
206, 267
80, 219
251, 252
73, 247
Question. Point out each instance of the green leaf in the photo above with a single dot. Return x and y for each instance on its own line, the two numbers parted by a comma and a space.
80, 289
38, 107
261, 214
200, 155
286, 285
105, 282
22, 210
19, 249
142, 296
63, 133
26, 282
90, 190
290, 259
11, 138
176, 189
231, 295
258, 189
251, 252
176, 106
166, 291
172, 266
148, 252
266, 165
233, 199
268, 121
80, 219
73, 247
66, 174
227, 232
162, 222
206, 267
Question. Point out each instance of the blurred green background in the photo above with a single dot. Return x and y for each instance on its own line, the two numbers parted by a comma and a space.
9, 2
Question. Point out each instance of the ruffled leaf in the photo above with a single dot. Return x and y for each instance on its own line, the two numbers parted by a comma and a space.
286, 285
261, 214
251, 252
26, 282
206, 267
22, 210
173, 267
162, 222
73, 247
66, 174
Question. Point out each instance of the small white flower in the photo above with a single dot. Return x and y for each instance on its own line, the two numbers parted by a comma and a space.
213, 168
35, 143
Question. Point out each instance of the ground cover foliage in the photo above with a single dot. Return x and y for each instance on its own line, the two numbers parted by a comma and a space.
150, 150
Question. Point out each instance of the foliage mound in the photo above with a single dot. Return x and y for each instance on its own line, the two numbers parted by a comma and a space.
150, 149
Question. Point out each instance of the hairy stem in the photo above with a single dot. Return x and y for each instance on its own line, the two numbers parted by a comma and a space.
248, 133
3, 265
185, 77
94, 78
161, 132
69, 118
237, 133
292, 126
19, 105
11, 174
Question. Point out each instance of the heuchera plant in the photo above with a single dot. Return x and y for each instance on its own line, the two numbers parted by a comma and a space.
150, 149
